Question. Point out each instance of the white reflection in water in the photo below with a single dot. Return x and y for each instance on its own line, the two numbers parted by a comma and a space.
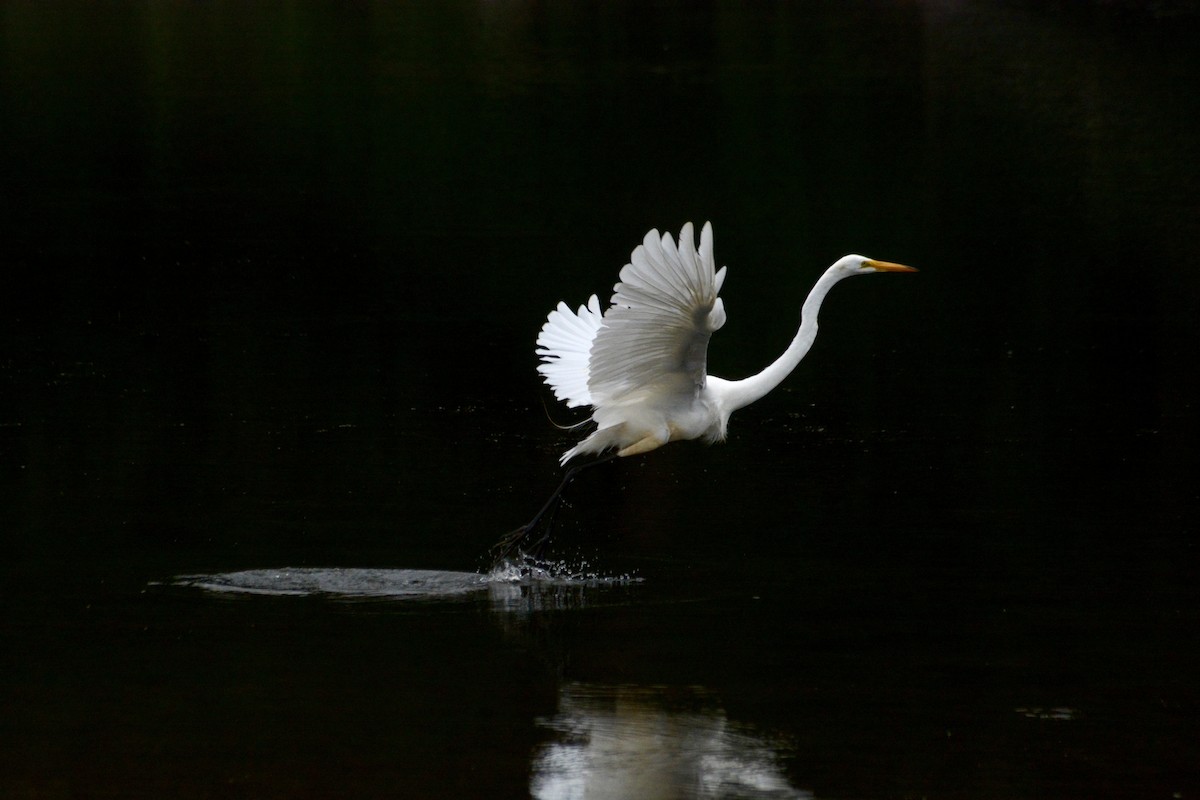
638, 742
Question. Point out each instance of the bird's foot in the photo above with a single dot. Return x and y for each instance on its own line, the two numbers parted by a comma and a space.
520, 545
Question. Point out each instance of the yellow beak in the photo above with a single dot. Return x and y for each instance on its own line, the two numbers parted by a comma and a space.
887, 266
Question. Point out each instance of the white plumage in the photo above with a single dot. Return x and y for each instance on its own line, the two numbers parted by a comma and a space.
641, 364
564, 343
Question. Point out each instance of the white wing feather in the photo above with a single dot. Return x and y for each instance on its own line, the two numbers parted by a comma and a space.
564, 344
664, 310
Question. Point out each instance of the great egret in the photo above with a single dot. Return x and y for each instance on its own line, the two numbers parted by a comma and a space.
641, 365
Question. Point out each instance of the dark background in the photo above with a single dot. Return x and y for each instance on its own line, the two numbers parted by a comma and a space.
272, 279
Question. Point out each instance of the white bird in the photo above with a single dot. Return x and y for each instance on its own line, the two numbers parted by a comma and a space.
641, 365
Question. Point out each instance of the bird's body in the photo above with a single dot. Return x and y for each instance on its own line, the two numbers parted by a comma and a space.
641, 365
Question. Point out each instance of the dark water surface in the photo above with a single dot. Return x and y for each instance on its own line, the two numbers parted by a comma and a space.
273, 277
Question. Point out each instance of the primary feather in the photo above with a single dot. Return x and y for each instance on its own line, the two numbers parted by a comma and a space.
564, 344
664, 310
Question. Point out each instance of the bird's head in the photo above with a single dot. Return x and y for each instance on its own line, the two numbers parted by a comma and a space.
861, 265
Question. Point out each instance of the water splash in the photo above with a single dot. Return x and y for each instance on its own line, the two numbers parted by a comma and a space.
527, 585
527, 569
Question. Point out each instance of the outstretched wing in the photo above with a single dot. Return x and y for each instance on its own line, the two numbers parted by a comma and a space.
564, 344
655, 336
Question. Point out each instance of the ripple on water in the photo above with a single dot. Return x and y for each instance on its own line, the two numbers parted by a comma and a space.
343, 582
399, 583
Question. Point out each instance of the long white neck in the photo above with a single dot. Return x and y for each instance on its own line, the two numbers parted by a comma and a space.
736, 394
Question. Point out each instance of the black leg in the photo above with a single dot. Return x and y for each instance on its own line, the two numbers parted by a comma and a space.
520, 540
